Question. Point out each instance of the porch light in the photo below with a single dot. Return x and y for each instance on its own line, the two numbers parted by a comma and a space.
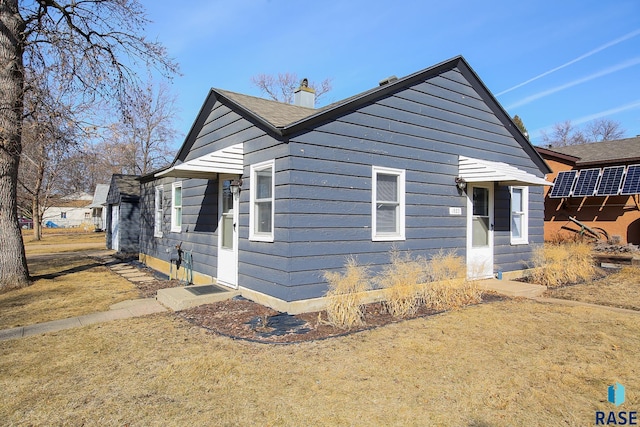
461, 183
235, 186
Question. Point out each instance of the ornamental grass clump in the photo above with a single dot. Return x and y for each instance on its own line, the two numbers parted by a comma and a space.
558, 264
401, 281
345, 308
448, 287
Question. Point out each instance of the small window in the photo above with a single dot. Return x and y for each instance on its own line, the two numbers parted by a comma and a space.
157, 225
63, 215
519, 215
261, 215
388, 202
176, 207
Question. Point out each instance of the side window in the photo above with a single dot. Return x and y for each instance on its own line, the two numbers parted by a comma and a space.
261, 210
157, 225
388, 204
176, 207
519, 215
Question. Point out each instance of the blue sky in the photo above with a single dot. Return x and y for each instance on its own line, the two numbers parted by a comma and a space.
546, 61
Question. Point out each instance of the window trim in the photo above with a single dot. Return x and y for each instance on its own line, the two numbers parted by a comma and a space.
158, 212
176, 228
400, 225
254, 235
524, 214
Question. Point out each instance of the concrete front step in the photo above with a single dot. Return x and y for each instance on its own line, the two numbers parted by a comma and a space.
512, 288
192, 296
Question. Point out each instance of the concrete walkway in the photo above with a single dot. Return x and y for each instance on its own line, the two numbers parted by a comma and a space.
122, 310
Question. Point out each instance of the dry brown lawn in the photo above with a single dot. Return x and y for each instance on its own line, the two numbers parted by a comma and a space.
506, 363
500, 364
62, 241
67, 283
621, 289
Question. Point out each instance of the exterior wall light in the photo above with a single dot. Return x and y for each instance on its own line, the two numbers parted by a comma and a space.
235, 186
461, 183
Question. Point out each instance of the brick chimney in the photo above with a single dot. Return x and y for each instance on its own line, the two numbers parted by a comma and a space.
304, 96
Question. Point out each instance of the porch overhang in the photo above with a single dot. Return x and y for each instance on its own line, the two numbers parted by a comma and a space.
476, 170
228, 160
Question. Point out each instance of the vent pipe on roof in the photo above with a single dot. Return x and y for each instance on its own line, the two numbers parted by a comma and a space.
388, 80
304, 96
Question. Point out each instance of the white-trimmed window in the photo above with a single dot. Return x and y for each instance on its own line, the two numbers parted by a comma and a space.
519, 215
176, 207
158, 212
388, 204
261, 215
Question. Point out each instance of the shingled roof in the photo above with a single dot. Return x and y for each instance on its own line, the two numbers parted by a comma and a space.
123, 187
276, 113
606, 152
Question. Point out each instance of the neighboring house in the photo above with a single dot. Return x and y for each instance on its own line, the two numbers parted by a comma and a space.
598, 184
269, 196
123, 214
98, 206
68, 211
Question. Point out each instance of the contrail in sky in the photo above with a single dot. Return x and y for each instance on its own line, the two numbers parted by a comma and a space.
547, 92
573, 61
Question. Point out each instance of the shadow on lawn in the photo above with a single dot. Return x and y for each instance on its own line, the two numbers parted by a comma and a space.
77, 269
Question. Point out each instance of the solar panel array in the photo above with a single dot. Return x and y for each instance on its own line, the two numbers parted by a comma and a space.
610, 181
586, 182
632, 181
563, 184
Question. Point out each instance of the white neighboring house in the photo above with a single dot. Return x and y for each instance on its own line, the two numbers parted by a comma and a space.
98, 210
69, 211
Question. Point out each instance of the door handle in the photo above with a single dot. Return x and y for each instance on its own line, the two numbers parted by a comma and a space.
491, 227
234, 226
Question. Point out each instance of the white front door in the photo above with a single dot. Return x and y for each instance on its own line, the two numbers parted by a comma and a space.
227, 234
115, 227
480, 231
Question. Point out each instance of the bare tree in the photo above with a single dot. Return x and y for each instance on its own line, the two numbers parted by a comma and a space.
603, 130
563, 134
566, 133
92, 47
281, 88
143, 140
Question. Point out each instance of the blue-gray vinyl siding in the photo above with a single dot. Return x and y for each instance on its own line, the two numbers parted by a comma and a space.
422, 130
129, 226
323, 187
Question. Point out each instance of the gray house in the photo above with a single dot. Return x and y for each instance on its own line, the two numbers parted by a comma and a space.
123, 214
268, 196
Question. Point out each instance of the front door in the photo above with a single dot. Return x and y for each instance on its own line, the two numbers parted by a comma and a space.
479, 231
115, 227
227, 234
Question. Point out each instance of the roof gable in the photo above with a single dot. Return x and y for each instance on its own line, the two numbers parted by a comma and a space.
123, 187
283, 120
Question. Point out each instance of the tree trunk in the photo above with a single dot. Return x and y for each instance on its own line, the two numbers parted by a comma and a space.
36, 217
13, 262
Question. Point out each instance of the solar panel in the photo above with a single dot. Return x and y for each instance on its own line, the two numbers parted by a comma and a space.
610, 181
586, 182
632, 181
563, 184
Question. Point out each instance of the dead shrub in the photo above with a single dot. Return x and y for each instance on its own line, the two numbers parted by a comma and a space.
346, 295
448, 287
401, 283
557, 264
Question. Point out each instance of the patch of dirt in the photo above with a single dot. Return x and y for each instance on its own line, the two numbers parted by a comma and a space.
240, 318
